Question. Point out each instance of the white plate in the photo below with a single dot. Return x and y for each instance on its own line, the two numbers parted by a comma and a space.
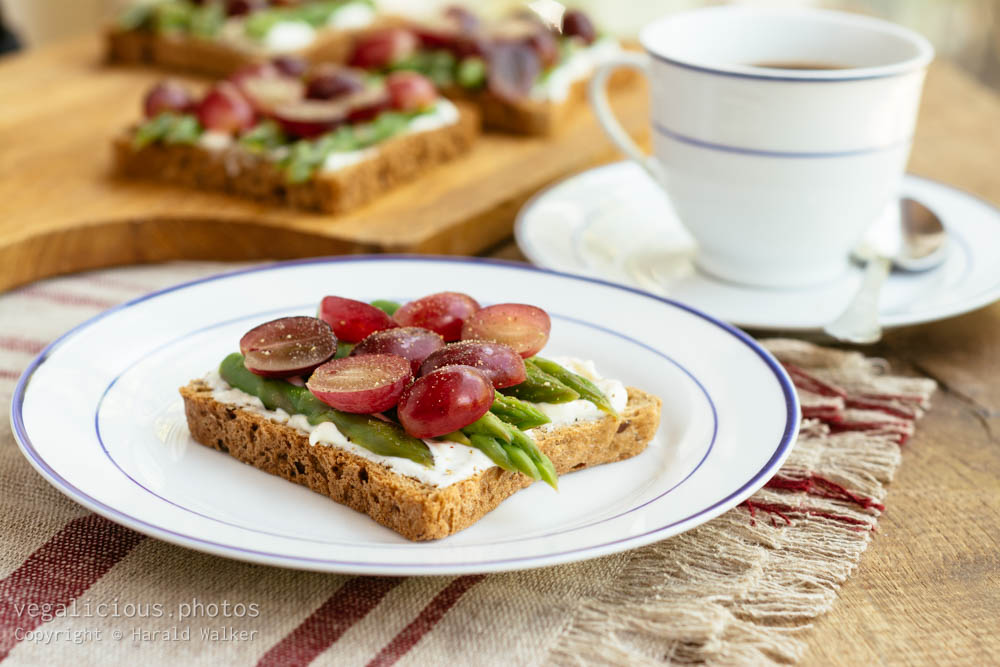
613, 222
99, 416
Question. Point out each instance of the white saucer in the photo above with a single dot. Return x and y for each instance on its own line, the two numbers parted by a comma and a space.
613, 222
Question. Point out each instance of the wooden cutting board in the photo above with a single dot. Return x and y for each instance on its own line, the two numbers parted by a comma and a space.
61, 210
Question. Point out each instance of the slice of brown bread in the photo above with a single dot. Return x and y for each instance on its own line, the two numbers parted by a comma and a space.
415, 510
242, 172
538, 117
216, 58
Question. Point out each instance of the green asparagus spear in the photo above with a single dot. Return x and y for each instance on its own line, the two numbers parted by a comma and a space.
517, 412
489, 424
494, 449
542, 463
540, 387
510, 447
457, 436
373, 434
522, 461
587, 389
386, 306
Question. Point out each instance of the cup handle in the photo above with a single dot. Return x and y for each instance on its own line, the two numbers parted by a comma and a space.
598, 94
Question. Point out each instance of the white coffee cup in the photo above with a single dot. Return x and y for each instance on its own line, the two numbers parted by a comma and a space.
777, 173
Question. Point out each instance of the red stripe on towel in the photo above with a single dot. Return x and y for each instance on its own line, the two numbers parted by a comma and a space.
348, 605
65, 298
425, 620
821, 487
809, 382
116, 283
58, 572
782, 510
17, 344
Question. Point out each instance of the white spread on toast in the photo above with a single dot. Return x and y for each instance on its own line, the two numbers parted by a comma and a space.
289, 36
341, 159
581, 410
444, 113
351, 16
215, 141
453, 462
292, 35
579, 65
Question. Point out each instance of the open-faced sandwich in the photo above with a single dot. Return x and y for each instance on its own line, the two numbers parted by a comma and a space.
217, 37
425, 416
525, 75
326, 138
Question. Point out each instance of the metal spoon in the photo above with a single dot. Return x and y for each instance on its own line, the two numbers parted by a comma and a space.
918, 243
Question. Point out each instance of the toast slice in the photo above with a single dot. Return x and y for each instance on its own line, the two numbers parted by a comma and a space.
415, 510
219, 58
538, 117
236, 170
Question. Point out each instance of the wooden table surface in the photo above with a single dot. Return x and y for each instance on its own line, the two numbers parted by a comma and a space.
928, 589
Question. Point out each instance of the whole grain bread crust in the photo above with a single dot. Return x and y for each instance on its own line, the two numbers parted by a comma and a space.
412, 508
241, 172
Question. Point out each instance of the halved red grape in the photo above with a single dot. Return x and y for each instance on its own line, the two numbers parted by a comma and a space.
291, 65
225, 109
413, 343
410, 91
500, 363
382, 48
310, 118
545, 45
329, 81
287, 346
524, 328
351, 320
370, 103
271, 90
530, 31
444, 312
513, 69
445, 400
365, 385
578, 24
241, 7
463, 17
167, 96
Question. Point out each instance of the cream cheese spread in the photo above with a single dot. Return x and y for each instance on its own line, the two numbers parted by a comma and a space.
351, 16
453, 462
579, 65
289, 36
292, 35
341, 159
444, 113
581, 410
215, 141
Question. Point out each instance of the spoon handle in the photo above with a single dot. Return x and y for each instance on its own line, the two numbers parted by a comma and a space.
859, 321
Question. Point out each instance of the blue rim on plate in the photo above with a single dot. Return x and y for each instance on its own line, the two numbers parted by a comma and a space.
783, 447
